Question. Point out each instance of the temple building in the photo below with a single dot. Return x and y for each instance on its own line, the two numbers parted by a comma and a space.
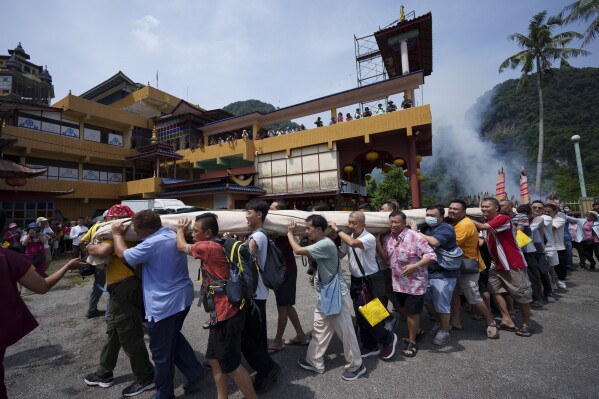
126, 140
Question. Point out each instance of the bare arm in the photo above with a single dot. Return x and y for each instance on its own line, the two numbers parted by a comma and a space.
481, 226
118, 229
346, 238
101, 250
182, 244
432, 241
297, 249
380, 250
36, 283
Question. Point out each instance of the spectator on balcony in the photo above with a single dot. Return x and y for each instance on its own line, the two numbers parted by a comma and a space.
333, 121
244, 134
357, 115
367, 112
318, 122
340, 117
302, 127
380, 110
391, 107
348, 117
406, 103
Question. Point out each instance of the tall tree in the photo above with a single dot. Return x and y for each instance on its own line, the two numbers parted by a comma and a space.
583, 10
540, 48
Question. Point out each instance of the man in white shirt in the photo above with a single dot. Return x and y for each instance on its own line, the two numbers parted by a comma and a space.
254, 342
45, 229
76, 234
557, 228
360, 246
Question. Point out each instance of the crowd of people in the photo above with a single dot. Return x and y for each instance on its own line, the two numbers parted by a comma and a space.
511, 260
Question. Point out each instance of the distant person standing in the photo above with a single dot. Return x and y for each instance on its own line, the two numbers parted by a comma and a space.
76, 233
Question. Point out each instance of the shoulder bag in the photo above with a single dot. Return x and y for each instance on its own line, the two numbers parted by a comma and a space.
330, 295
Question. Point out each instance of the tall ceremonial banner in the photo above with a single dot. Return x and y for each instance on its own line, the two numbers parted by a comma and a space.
500, 185
524, 194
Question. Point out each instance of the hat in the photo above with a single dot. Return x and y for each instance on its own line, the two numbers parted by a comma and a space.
120, 211
33, 226
10, 226
41, 219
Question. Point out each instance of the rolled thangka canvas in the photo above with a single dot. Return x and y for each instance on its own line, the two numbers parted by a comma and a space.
234, 222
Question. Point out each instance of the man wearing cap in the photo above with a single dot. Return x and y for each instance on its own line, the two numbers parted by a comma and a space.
124, 327
12, 238
45, 229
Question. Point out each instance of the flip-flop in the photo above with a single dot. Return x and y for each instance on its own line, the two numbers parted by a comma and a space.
272, 351
292, 342
524, 331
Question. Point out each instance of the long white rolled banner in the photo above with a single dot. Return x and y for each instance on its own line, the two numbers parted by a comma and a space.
234, 222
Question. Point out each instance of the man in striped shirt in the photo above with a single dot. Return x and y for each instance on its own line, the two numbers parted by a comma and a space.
507, 273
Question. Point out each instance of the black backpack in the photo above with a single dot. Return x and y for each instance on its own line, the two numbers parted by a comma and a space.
273, 272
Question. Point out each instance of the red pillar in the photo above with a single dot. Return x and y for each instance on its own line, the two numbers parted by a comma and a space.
412, 170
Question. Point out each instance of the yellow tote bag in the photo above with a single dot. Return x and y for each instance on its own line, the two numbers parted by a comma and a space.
522, 239
374, 312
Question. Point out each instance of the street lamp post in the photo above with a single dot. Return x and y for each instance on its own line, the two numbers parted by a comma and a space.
576, 139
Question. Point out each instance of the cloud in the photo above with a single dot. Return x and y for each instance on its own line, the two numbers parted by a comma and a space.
144, 32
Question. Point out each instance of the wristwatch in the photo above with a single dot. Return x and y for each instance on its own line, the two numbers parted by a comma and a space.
338, 231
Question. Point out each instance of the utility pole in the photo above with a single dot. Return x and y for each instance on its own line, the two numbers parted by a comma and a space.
576, 139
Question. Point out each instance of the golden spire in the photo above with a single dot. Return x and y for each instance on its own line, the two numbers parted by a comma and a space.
402, 16
154, 138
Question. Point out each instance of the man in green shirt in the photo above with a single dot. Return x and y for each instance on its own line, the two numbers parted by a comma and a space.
324, 251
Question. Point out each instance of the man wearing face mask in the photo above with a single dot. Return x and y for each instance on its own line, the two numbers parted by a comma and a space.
441, 282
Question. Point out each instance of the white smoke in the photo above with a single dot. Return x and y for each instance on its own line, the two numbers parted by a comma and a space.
467, 162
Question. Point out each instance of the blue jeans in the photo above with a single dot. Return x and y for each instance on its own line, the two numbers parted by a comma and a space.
169, 349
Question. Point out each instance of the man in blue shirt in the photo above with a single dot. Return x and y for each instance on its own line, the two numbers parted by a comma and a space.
168, 293
441, 282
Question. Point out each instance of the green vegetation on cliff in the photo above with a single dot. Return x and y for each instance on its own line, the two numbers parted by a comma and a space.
249, 106
508, 117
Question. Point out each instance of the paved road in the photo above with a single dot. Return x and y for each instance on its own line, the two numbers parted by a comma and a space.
559, 361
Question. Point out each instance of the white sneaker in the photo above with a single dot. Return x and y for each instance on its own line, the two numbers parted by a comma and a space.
561, 284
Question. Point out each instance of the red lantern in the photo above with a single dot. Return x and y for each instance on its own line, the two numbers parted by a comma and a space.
16, 181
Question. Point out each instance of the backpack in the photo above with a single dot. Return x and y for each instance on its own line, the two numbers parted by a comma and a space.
273, 272
242, 283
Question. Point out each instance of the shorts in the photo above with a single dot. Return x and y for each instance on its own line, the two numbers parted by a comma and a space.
413, 304
285, 294
514, 281
483, 279
224, 342
469, 287
439, 293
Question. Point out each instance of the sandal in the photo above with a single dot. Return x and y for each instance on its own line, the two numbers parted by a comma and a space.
505, 327
410, 349
420, 334
490, 335
477, 317
524, 331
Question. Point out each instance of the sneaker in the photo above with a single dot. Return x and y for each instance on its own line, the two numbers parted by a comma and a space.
365, 352
193, 385
551, 299
95, 313
307, 366
263, 383
389, 350
353, 375
434, 330
561, 284
95, 380
441, 339
136, 388
553, 286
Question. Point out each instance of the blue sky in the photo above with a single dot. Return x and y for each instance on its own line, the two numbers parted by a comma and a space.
281, 52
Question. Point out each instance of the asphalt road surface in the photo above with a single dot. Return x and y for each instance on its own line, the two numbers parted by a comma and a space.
558, 361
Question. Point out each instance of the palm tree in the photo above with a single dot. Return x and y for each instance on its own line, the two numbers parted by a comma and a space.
539, 49
584, 10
